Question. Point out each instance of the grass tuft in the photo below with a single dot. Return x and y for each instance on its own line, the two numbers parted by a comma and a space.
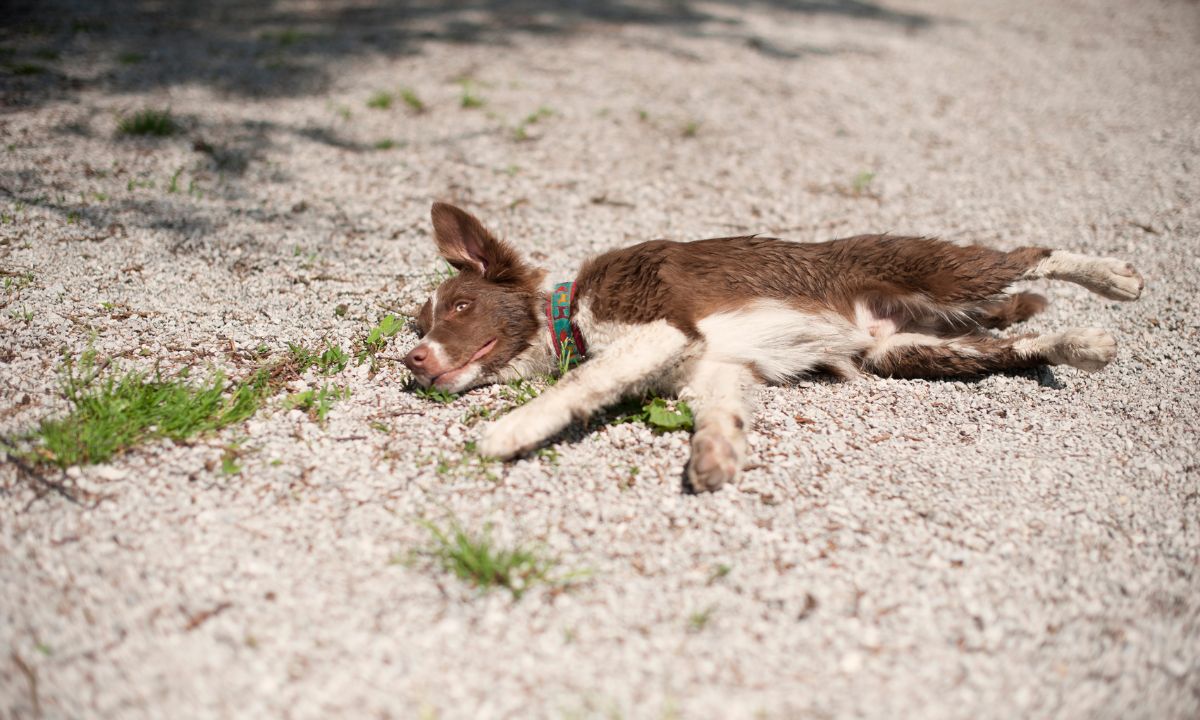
330, 362
660, 415
521, 131
700, 619
469, 100
377, 338
317, 403
110, 414
862, 182
15, 281
412, 100
519, 392
432, 393
157, 123
478, 560
381, 100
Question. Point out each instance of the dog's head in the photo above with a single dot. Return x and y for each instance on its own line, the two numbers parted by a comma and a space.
479, 320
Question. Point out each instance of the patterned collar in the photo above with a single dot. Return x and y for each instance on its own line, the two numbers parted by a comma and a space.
569, 347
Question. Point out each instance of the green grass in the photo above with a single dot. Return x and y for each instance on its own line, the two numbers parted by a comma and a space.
690, 129
475, 414
521, 132
477, 559
519, 392
317, 403
377, 338
700, 619
229, 462
469, 100
565, 360
862, 182
156, 123
468, 464
111, 413
432, 393
412, 100
381, 100
331, 361
130, 58
719, 572
659, 414
16, 281
385, 144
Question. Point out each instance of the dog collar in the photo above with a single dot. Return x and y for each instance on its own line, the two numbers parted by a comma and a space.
564, 335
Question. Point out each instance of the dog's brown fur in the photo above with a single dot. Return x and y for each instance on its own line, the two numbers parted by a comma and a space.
707, 318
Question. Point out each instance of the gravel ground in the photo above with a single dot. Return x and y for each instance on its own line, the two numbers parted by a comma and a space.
1021, 546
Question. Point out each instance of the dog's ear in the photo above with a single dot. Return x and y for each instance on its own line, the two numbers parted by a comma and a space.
469, 247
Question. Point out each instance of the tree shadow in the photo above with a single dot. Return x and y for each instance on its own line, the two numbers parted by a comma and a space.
52, 50
276, 48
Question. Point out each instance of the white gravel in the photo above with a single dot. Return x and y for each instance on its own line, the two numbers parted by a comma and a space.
1021, 546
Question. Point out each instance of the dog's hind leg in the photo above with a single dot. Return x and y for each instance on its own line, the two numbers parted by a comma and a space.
626, 362
909, 355
717, 393
1014, 308
933, 277
1112, 278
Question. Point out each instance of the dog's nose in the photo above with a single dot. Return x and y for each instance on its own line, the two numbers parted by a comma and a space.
415, 360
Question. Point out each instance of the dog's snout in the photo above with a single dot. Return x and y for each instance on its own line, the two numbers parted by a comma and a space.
415, 360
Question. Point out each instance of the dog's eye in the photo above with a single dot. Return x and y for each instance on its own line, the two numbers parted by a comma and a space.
461, 305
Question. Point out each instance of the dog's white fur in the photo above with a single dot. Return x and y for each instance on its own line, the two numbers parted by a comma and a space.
625, 357
1088, 349
1112, 278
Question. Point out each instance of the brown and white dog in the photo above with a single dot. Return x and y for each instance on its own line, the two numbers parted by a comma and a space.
707, 320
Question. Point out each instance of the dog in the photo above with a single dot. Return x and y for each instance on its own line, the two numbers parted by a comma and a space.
709, 320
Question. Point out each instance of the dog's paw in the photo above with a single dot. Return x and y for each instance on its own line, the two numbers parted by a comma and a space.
1088, 349
515, 434
1114, 279
504, 440
714, 461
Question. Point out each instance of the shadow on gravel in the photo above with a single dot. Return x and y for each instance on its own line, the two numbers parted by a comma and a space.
278, 48
50, 50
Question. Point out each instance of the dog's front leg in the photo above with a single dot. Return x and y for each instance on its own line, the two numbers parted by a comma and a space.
602, 380
717, 392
